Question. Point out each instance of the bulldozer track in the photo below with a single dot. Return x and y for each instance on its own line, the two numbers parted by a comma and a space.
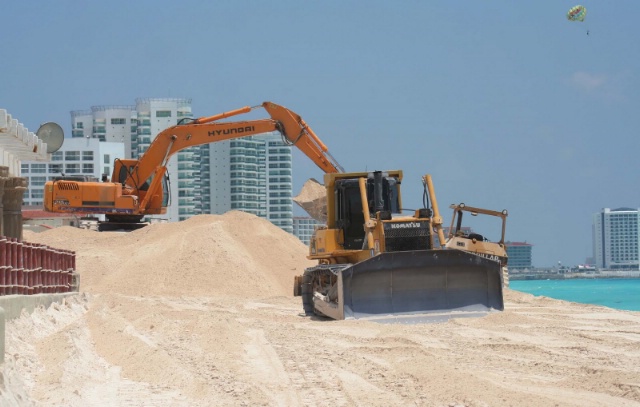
312, 281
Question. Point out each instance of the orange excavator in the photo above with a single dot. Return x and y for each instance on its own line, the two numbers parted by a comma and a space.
138, 188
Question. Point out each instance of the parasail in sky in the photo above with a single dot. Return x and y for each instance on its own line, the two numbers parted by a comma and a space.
577, 13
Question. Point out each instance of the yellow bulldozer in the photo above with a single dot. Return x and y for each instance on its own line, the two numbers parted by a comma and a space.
376, 262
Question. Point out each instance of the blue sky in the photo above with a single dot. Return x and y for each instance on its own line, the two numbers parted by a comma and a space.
506, 104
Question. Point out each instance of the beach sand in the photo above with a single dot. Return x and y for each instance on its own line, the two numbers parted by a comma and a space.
202, 313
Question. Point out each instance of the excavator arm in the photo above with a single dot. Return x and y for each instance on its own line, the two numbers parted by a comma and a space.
136, 186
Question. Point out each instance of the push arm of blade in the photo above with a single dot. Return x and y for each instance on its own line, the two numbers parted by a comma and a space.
437, 219
365, 211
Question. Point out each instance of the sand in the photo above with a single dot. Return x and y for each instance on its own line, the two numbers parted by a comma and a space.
201, 313
313, 199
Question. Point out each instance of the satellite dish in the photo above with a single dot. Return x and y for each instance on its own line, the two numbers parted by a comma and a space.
52, 134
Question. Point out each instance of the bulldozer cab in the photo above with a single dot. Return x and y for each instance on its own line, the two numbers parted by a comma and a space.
349, 212
349, 215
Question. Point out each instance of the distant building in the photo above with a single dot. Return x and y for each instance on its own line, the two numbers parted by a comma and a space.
116, 124
303, 228
616, 242
519, 254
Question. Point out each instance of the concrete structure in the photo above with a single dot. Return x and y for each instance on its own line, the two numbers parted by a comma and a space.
519, 254
77, 156
616, 241
12, 306
17, 143
36, 219
303, 228
13, 189
254, 175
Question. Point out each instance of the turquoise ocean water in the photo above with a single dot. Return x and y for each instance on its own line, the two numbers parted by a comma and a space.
613, 292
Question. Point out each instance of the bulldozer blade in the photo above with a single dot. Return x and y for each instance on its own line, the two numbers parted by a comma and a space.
424, 285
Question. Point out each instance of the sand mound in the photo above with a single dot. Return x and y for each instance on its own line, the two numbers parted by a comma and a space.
228, 255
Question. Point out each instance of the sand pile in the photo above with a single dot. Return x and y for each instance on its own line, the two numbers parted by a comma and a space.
228, 255
200, 313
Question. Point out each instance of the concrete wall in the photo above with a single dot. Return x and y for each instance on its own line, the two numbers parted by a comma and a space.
12, 306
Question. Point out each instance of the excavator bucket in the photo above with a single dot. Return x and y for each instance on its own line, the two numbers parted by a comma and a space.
421, 286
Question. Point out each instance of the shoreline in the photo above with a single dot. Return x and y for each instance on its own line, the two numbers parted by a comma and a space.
603, 274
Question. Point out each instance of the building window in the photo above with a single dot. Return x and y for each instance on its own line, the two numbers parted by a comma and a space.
38, 168
38, 181
118, 121
87, 156
55, 168
72, 168
79, 125
163, 113
24, 168
87, 168
72, 155
107, 159
57, 156
106, 170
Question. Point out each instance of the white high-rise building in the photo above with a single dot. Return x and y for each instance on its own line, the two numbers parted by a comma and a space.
253, 174
86, 157
616, 241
